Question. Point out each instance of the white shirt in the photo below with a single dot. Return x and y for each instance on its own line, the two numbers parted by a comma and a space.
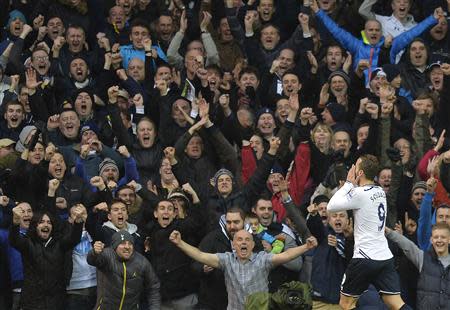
392, 26
370, 210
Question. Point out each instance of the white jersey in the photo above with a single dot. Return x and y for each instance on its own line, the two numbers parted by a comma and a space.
370, 210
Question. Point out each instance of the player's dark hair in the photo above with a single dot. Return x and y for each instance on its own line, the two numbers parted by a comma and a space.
370, 165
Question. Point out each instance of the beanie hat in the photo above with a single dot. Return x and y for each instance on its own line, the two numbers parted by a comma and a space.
89, 126
119, 237
377, 72
420, 184
107, 163
337, 111
20, 146
221, 172
264, 111
276, 168
392, 71
179, 193
15, 14
340, 73
86, 90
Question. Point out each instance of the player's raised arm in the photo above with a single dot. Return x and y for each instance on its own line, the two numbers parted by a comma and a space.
345, 198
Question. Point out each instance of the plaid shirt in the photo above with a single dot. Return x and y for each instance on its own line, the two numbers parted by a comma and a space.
244, 279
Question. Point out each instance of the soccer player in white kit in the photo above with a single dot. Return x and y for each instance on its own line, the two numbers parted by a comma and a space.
372, 261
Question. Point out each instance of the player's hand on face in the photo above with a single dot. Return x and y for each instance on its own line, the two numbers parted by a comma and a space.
351, 175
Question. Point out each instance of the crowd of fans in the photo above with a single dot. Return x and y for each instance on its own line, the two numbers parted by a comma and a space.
126, 120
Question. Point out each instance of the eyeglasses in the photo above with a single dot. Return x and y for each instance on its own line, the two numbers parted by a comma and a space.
41, 57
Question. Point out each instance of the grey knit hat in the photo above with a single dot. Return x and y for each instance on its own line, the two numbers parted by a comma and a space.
340, 73
119, 237
420, 184
221, 172
107, 163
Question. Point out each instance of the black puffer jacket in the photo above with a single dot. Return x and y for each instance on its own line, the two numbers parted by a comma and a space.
140, 278
44, 285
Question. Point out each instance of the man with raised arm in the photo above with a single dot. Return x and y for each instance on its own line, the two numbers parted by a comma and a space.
372, 261
245, 273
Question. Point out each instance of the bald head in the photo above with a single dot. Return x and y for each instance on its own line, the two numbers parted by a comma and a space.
243, 244
242, 234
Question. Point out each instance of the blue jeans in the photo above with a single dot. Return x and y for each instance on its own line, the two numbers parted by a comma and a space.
80, 302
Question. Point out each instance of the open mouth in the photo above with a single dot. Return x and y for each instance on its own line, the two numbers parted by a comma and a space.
26, 220
244, 250
165, 220
83, 107
146, 139
265, 14
440, 245
338, 225
284, 114
437, 83
70, 127
45, 232
266, 127
14, 121
58, 171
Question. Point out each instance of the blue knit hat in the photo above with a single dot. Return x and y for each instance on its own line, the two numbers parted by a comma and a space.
15, 14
